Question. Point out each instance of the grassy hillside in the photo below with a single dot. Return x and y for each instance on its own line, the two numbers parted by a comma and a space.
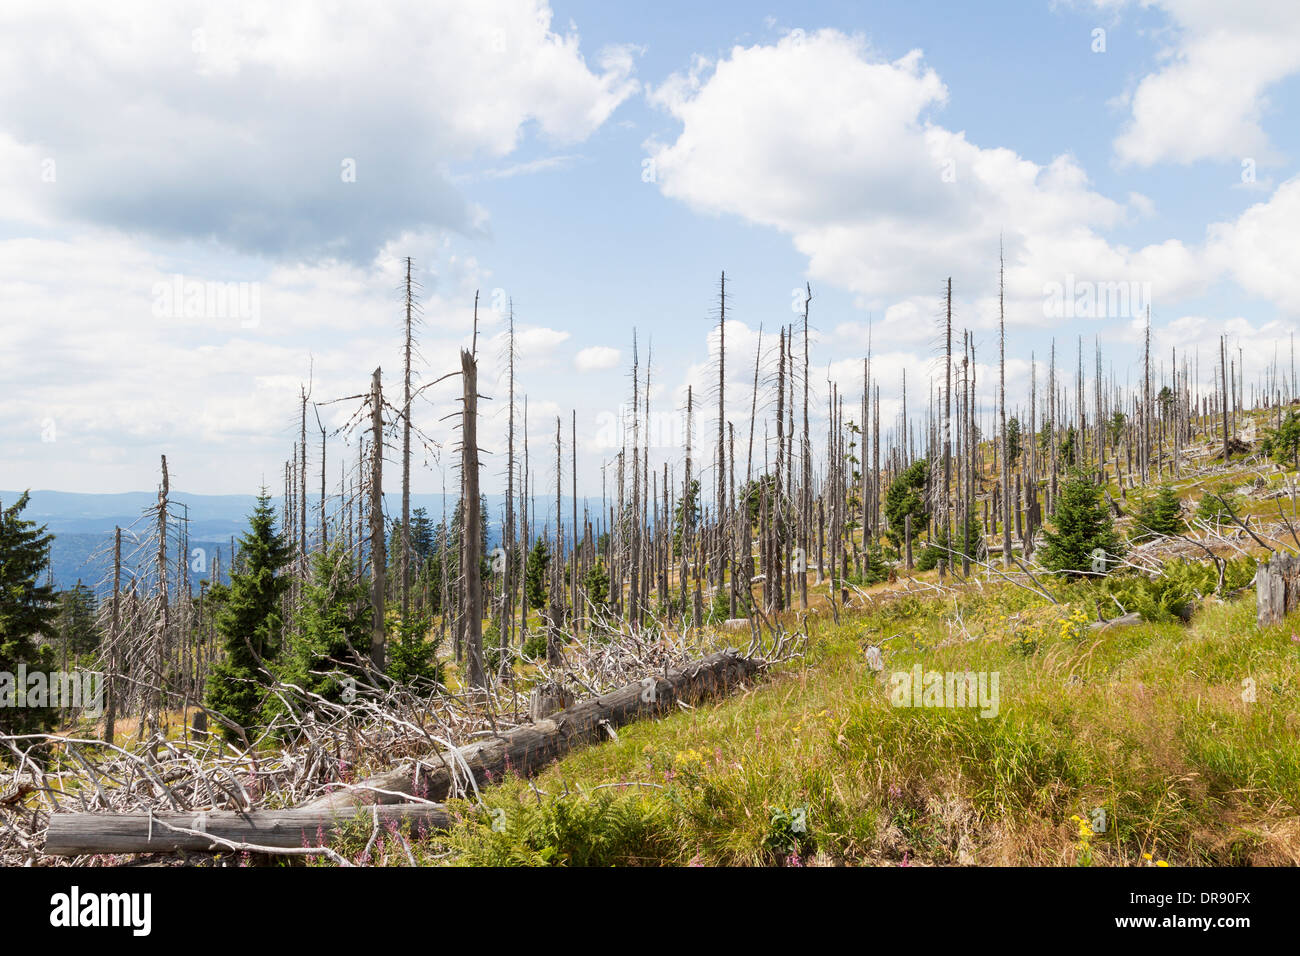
1153, 725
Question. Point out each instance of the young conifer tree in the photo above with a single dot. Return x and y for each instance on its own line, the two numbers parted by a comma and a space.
250, 623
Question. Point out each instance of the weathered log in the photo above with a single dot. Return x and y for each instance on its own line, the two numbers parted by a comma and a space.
1124, 620
74, 834
522, 750
526, 749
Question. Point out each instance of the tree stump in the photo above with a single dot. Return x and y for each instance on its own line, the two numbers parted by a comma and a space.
1277, 589
546, 699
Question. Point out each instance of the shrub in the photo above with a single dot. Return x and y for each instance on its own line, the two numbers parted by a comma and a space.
939, 548
1175, 594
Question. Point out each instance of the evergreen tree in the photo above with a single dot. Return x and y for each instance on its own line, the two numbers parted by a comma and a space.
539, 559
432, 573
1083, 529
1283, 443
1068, 447
1162, 513
26, 611
686, 516
1013, 440
939, 548
249, 622
1115, 427
906, 496
335, 619
1166, 401
77, 620
451, 560
752, 495
423, 542
596, 583
412, 656
874, 566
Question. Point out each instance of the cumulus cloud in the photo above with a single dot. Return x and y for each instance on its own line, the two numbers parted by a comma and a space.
596, 358
1259, 249
817, 136
302, 128
1208, 99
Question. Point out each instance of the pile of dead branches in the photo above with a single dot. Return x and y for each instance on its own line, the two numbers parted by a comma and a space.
316, 746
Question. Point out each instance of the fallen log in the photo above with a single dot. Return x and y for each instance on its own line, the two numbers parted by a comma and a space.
1124, 620
522, 751
74, 834
525, 749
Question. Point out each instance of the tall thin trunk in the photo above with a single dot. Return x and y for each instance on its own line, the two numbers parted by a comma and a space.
471, 569
378, 546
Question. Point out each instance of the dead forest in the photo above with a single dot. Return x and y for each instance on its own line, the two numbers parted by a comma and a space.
692, 575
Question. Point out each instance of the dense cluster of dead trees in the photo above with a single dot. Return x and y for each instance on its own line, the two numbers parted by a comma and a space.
794, 512
685, 537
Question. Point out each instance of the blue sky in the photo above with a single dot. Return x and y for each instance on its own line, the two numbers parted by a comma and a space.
870, 149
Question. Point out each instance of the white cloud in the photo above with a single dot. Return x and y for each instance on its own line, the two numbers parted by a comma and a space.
241, 121
595, 358
1209, 98
814, 136
1261, 248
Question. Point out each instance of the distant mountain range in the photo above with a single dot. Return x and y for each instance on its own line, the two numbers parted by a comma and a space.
83, 526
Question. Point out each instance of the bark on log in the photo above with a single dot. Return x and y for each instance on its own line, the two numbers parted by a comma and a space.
74, 834
526, 749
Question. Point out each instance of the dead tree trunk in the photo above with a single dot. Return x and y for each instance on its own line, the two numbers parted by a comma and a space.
1277, 589
378, 546
472, 535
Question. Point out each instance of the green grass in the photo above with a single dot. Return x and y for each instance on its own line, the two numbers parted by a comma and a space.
1147, 723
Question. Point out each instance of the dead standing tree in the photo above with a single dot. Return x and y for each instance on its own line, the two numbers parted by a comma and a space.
378, 545
471, 569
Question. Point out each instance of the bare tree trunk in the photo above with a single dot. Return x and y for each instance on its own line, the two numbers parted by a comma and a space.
805, 492
508, 534
1223, 371
1002, 406
471, 534
378, 546
406, 444
110, 703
